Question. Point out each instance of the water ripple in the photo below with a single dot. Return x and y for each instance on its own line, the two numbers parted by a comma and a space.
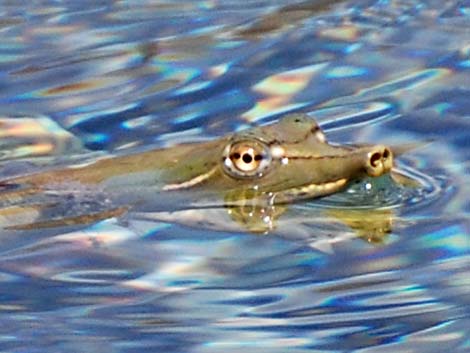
132, 75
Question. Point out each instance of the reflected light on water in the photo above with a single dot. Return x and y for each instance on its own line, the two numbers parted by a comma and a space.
121, 76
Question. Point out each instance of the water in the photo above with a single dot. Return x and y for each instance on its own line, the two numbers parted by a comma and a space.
85, 78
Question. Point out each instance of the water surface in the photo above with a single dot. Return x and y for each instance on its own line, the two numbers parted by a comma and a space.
85, 78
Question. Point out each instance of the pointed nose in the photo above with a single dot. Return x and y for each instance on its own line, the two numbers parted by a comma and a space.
379, 160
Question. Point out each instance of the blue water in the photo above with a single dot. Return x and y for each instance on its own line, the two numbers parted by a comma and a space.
85, 78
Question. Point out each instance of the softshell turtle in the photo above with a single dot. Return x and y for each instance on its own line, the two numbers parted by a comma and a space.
252, 175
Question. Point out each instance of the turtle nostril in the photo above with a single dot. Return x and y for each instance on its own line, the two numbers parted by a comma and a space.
375, 159
386, 153
379, 160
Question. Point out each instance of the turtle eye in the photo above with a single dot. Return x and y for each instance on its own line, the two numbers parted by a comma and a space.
246, 158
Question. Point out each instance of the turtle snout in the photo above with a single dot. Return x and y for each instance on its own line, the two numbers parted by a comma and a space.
379, 161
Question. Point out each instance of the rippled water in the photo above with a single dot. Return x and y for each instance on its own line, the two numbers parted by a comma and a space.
95, 77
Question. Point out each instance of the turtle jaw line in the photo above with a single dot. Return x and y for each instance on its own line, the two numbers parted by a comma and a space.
308, 191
